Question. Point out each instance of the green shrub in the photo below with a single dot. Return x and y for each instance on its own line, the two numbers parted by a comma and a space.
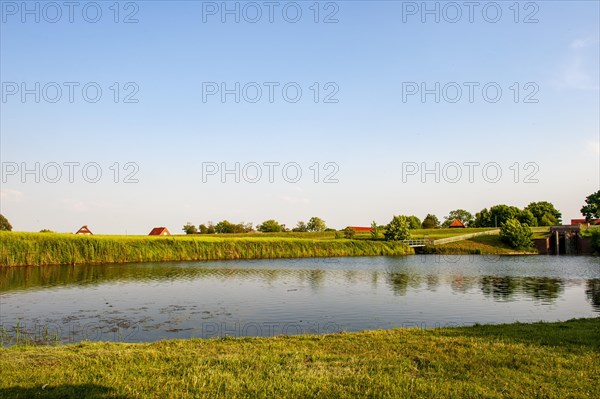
515, 234
349, 233
398, 229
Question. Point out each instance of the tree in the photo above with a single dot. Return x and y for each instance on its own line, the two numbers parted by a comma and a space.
398, 229
300, 227
269, 226
545, 213
526, 217
464, 216
349, 233
592, 208
243, 228
211, 228
496, 216
413, 222
224, 227
515, 234
203, 229
316, 224
4, 224
430, 222
375, 230
190, 228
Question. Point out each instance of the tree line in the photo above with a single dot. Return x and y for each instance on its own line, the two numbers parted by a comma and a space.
315, 224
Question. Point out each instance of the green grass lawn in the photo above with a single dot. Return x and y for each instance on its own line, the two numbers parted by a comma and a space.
542, 360
477, 245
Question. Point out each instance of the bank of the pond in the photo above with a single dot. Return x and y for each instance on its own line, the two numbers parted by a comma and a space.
482, 245
21, 249
550, 360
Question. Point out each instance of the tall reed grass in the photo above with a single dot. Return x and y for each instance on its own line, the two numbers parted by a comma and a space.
21, 249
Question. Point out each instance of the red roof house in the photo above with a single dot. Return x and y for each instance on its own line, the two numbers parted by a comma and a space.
457, 224
361, 229
160, 231
593, 222
85, 231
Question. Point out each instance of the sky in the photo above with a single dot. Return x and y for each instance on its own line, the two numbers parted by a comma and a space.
124, 115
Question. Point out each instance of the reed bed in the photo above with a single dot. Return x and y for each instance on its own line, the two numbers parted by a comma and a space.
29, 249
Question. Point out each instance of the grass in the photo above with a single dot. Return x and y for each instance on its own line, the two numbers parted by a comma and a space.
541, 360
21, 249
477, 245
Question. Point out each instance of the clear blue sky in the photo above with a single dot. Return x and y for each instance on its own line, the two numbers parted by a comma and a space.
369, 55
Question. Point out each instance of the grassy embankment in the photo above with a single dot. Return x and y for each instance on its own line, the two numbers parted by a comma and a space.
541, 360
20, 249
487, 245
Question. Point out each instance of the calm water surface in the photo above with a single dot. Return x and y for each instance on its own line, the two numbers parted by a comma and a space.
148, 302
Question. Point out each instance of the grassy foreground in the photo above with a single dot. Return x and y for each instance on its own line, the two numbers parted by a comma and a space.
26, 249
541, 360
482, 245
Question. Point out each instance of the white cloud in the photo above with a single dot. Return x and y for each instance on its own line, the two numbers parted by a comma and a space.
583, 43
578, 71
8, 194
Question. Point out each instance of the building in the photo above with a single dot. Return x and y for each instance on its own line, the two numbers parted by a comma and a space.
593, 222
457, 224
84, 230
358, 229
160, 231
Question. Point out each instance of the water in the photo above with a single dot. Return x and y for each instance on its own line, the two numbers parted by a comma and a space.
148, 302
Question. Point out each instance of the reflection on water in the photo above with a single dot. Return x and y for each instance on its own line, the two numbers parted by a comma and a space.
268, 297
593, 293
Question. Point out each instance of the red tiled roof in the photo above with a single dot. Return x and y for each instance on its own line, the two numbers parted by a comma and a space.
457, 223
84, 230
575, 222
159, 231
360, 229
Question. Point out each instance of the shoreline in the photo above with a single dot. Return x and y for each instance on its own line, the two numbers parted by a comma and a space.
54, 249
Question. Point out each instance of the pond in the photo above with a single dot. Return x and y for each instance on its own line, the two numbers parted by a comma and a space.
149, 302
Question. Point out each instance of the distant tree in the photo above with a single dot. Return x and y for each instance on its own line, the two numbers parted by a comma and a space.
316, 224
46, 231
545, 213
398, 229
269, 226
430, 222
526, 217
211, 228
496, 216
300, 227
190, 228
329, 229
413, 222
349, 233
592, 208
375, 230
224, 227
203, 229
464, 216
547, 221
515, 234
4, 224
244, 228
